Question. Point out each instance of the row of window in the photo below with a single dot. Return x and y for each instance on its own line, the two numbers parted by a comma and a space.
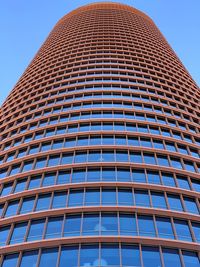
100, 174
102, 254
102, 140
102, 126
98, 115
101, 156
109, 224
100, 197
149, 91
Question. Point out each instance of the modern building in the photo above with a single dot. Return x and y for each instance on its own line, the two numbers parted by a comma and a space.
100, 149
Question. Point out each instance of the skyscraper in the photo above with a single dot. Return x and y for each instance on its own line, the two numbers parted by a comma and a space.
100, 149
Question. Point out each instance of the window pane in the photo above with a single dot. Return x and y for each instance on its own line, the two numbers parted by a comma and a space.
171, 258
196, 230
110, 255
164, 228
91, 224
92, 197
125, 197
108, 197
63, 177
69, 256
190, 259
59, 200
54, 227
146, 226
49, 257
12, 208
89, 256
43, 202
10, 260
75, 198
29, 259
109, 225
158, 200
182, 230
36, 230
27, 205
175, 202
72, 225
142, 198
190, 205
18, 233
127, 225
151, 257
130, 256
4, 231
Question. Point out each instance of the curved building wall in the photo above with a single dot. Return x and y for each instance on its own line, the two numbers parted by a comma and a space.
100, 149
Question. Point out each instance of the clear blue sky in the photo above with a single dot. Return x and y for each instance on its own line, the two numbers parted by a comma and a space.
25, 24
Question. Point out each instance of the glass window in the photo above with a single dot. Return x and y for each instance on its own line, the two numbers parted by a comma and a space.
27, 205
158, 144
125, 197
127, 225
93, 175
29, 259
107, 156
6, 189
91, 224
63, 177
110, 255
49, 179
12, 208
43, 202
151, 257
190, 259
122, 156
108, 197
170, 146
196, 230
162, 160
69, 256
196, 185
20, 186
164, 228
36, 230
59, 200
153, 177
67, 158
41, 163
139, 176
130, 255
94, 156
189, 166
123, 175
92, 197
54, 227
75, 198
175, 202
10, 260
190, 205
183, 182
182, 230
133, 141
146, 226
80, 157
136, 157
109, 224
18, 233
28, 165
4, 231
54, 160
145, 142
72, 225
142, 198
176, 163
171, 257
49, 257
34, 182
149, 158
78, 176
168, 179
158, 200
89, 256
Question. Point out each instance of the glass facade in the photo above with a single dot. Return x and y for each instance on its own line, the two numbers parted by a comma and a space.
100, 158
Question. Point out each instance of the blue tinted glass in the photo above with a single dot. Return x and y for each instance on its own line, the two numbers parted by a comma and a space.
108, 175
43, 202
196, 185
54, 227
41, 163
183, 182
110, 255
49, 257
122, 156
175, 202
6, 189
142, 198
158, 200
123, 175
36, 230
63, 177
130, 256
27, 205
139, 176
190, 205
164, 228
92, 197
127, 225
12, 208
67, 158
78, 176
153, 177
133, 141
182, 230
162, 160
196, 230
20, 186
75, 198
93, 175
89, 256
108, 197
171, 258
91, 224
34, 182
125, 197
49, 179
72, 225
59, 200
4, 235
146, 226
18, 233
168, 180
107, 156
109, 225
151, 257
136, 157
190, 259
69, 256
175, 163
10, 260
29, 259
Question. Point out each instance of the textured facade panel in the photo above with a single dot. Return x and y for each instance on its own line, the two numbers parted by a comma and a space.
100, 151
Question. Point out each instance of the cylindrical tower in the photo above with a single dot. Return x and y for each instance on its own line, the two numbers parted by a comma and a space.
100, 149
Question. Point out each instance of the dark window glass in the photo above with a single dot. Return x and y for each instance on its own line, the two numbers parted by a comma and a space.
12, 208
93, 175
6, 189
162, 160
34, 182
168, 179
196, 230
139, 176
175, 202
63, 177
10, 260
123, 175
20, 186
190, 205
153, 177
49, 179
